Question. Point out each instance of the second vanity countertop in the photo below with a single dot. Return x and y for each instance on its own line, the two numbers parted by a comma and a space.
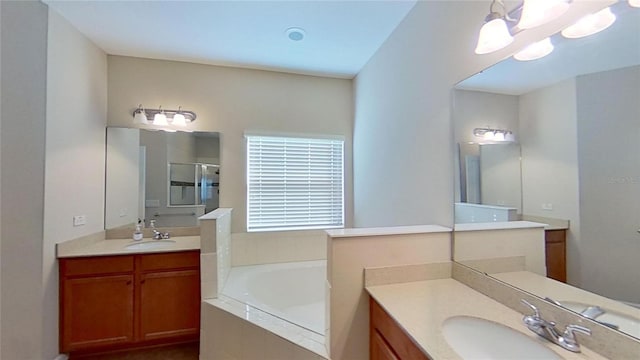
421, 307
119, 247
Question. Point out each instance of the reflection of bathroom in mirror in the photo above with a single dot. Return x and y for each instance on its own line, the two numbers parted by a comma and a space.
576, 117
169, 177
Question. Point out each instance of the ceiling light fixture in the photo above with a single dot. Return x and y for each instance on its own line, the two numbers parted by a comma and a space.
494, 34
538, 12
162, 117
634, 3
590, 24
295, 33
535, 51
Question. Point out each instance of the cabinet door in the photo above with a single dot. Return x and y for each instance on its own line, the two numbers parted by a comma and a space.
379, 348
169, 304
96, 311
555, 247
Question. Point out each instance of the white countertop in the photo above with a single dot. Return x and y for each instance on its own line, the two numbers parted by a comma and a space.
421, 307
118, 247
501, 225
391, 230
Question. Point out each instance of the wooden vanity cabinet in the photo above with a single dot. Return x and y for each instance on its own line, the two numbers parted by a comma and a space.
96, 302
387, 340
556, 254
169, 294
119, 302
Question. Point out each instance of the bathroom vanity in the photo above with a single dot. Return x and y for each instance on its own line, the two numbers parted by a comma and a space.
122, 301
409, 321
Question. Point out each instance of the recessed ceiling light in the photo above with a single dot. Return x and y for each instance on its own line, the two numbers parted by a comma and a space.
295, 34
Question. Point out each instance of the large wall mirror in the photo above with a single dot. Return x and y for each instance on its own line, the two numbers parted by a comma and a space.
575, 117
169, 177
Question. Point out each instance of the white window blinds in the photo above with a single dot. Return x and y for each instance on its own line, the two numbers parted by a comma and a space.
294, 183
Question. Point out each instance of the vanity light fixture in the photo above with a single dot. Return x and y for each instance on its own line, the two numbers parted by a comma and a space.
539, 12
178, 118
590, 24
161, 117
140, 116
634, 3
494, 34
535, 51
494, 135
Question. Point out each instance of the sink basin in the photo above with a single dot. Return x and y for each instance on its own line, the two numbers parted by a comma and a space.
154, 244
476, 338
623, 322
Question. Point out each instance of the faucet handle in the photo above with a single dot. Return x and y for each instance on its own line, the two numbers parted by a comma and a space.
570, 330
536, 312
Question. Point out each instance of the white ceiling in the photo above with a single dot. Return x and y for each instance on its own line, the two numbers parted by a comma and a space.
341, 36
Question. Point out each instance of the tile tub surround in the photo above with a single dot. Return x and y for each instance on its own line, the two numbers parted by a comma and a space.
603, 340
215, 251
256, 248
350, 251
421, 307
234, 331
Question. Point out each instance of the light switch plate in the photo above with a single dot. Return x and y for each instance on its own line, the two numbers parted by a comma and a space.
79, 220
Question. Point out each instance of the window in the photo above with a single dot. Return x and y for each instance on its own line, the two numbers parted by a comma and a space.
294, 183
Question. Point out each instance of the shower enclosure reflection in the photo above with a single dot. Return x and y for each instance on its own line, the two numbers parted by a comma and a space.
172, 178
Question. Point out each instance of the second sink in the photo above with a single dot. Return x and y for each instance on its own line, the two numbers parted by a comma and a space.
476, 338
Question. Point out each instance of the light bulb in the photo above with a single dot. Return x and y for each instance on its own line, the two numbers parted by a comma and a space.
494, 35
140, 117
499, 136
538, 12
634, 3
179, 120
535, 51
160, 119
590, 24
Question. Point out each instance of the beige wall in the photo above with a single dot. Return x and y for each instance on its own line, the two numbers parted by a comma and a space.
75, 153
609, 163
233, 101
23, 164
548, 123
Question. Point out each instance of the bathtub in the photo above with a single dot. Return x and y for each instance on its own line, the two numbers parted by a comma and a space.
291, 291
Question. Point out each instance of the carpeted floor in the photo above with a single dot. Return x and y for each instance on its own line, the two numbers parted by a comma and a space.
177, 352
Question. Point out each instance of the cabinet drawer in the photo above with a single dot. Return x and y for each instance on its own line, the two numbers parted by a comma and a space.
96, 265
168, 261
555, 236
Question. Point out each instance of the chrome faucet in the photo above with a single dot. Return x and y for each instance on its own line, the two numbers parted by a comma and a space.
547, 329
157, 235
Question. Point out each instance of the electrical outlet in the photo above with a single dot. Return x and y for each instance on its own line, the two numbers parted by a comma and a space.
79, 220
547, 206
124, 212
